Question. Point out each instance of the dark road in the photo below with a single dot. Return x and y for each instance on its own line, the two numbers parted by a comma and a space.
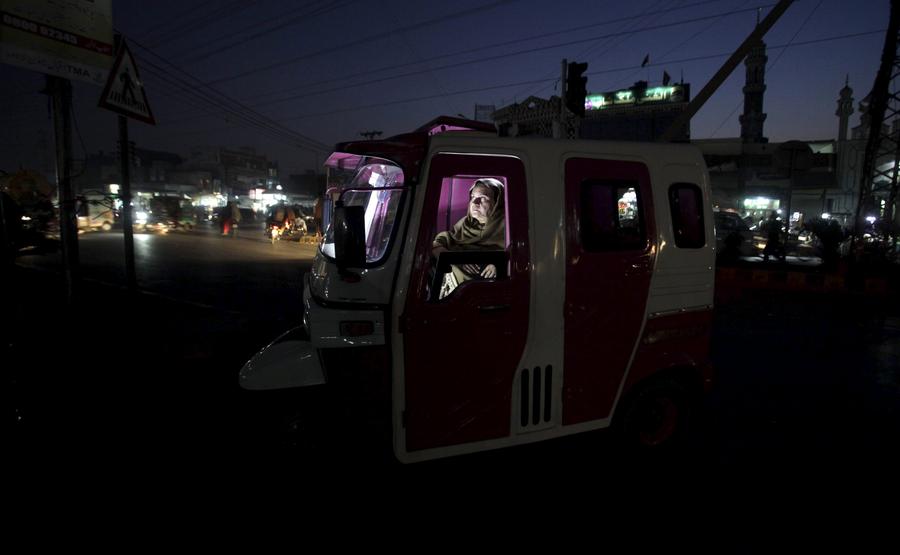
803, 377
246, 274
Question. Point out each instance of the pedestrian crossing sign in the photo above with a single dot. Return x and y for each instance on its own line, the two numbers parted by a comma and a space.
124, 91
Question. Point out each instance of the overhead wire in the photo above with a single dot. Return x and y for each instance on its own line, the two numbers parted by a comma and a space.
606, 41
507, 55
302, 18
225, 102
510, 54
529, 38
627, 80
534, 81
180, 31
148, 33
412, 50
200, 101
364, 40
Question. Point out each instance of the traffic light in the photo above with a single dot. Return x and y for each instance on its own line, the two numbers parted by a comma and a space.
576, 87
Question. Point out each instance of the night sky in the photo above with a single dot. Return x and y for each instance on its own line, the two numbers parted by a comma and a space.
330, 69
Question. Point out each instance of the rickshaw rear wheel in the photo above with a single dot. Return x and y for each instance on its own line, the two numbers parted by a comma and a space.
655, 417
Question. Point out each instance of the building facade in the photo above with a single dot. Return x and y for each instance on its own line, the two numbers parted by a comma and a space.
638, 113
233, 173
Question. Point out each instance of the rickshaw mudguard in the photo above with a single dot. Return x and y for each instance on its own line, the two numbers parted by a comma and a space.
289, 361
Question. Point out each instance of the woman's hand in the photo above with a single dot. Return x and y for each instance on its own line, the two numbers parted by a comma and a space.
487, 272
471, 269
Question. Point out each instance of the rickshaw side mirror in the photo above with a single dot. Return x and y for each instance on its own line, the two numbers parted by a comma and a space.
349, 236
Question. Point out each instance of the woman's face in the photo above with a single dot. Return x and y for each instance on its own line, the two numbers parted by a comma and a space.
481, 203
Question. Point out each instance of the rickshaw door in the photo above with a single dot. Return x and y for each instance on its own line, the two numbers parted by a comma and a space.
462, 351
609, 261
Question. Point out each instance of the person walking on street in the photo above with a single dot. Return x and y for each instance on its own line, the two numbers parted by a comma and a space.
774, 246
235, 218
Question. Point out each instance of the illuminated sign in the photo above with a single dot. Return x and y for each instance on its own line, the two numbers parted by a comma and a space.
659, 93
653, 95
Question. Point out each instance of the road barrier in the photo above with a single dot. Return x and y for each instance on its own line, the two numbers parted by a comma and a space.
732, 282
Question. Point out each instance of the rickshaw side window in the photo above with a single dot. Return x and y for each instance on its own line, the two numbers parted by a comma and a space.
454, 202
474, 251
686, 204
610, 216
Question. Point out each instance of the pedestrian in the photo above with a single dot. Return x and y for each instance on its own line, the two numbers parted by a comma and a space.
235, 218
774, 246
317, 216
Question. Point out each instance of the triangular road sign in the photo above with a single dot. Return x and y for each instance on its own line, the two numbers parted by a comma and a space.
124, 90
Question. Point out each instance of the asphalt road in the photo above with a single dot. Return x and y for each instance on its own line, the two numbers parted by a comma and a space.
245, 274
805, 380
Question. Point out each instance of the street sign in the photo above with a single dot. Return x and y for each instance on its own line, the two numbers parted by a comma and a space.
124, 90
72, 39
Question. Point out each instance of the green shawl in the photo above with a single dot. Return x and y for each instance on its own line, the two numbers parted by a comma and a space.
469, 234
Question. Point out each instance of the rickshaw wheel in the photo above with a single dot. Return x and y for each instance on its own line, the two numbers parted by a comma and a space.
655, 417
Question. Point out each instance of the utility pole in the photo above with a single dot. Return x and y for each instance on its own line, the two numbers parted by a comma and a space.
559, 128
127, 214
884, 108
129, 101
125, 193
60, 91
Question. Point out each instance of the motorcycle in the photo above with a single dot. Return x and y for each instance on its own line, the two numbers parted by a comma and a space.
278, 231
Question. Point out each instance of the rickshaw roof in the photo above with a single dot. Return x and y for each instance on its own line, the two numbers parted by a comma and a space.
409, 149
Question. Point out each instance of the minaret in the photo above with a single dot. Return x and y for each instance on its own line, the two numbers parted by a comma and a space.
753, 117
844, 109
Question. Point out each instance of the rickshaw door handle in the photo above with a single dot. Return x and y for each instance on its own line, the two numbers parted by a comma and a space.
493, 307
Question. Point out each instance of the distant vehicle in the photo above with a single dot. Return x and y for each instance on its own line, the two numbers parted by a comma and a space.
166, 214
96, 212
248, 217
734, 237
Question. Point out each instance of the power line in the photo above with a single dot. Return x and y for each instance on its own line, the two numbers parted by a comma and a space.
306, 16
223, 12
153, 28
486, 47
192, 97
365, 40
608, 41
599, 72
236, 108
196, 100
512, 54
627, 80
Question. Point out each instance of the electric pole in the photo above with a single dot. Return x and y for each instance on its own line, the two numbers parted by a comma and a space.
60, 91
883, 114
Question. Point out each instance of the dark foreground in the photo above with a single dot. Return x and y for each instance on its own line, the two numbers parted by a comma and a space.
804, 379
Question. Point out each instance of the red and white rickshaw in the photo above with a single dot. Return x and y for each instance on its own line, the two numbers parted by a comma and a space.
599, 315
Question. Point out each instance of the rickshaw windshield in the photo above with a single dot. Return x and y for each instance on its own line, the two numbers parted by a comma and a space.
375, 184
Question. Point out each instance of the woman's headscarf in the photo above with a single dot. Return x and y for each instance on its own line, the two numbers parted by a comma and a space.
468, 233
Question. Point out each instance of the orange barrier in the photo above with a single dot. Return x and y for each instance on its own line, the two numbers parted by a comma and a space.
731, 282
